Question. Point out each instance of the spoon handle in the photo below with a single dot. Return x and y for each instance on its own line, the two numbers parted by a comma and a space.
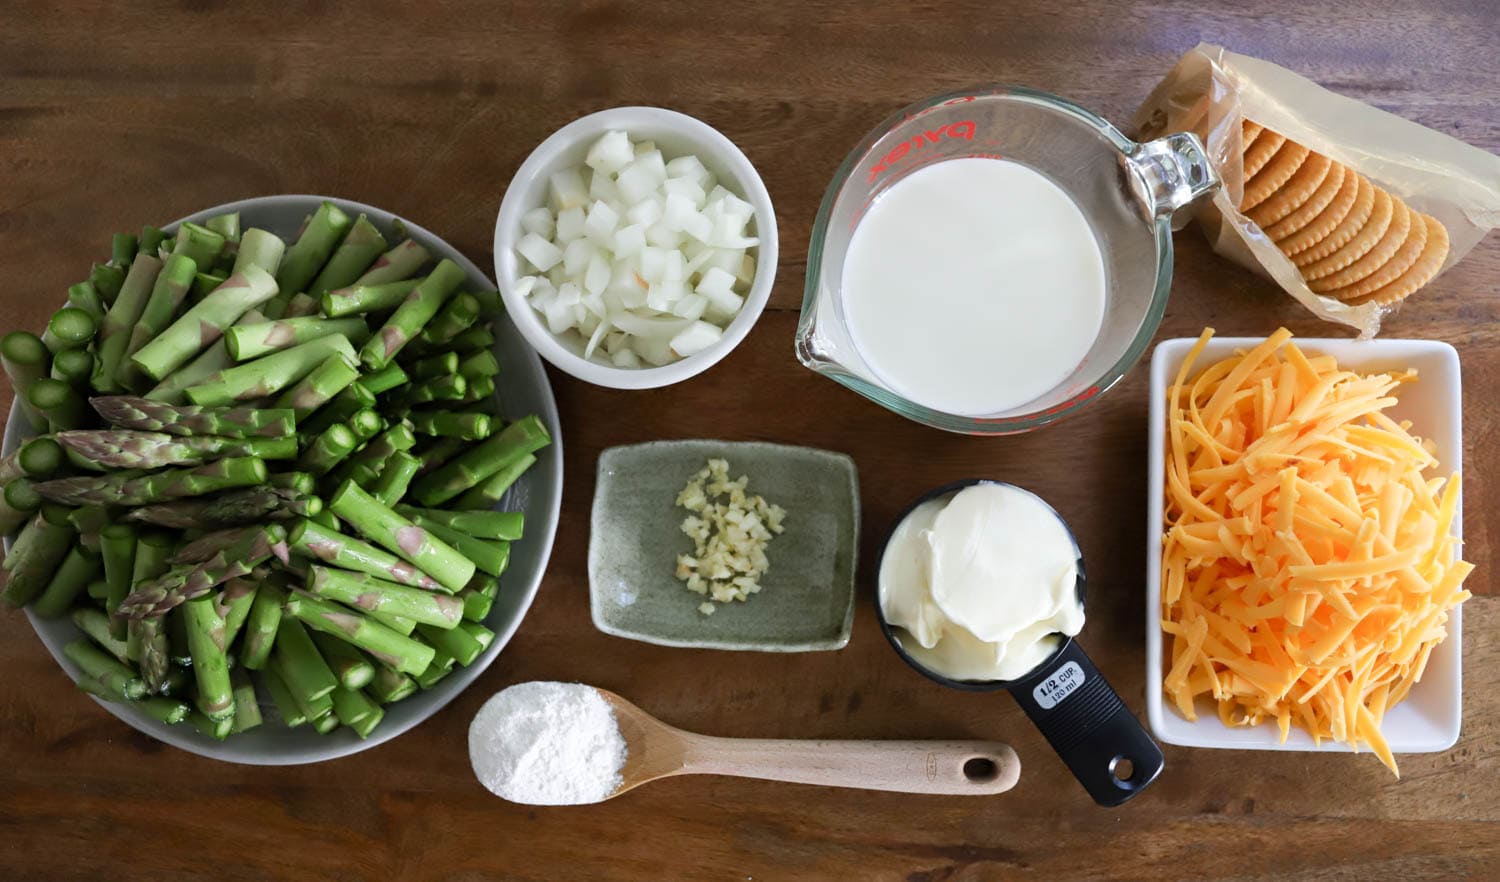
947, 767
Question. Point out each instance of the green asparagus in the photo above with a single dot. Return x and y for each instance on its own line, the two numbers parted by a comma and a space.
260, 249
383, 644
361, 246
77, 570
520, 438
319, 387
34, 556
129, 412
400, 536
252, 341
412, 315
401, 262
323, 544
269, 374
114, 330
127, 488
357, 299
69, 328
26, 360
370, 594
205, 322
136, 449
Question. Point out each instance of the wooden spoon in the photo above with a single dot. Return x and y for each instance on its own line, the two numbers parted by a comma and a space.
959, 768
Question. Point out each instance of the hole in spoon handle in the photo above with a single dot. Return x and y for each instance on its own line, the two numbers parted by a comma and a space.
1101, 741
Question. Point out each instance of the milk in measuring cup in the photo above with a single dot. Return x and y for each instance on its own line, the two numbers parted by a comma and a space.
973, 286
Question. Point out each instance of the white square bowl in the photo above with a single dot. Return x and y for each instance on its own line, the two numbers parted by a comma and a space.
1428, 720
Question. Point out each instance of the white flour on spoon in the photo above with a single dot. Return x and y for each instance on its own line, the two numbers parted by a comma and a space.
545, 743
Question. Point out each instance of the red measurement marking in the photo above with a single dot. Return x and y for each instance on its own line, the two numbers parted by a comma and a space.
963, 130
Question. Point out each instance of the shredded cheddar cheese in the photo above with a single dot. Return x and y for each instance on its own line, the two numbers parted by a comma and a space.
1308, 566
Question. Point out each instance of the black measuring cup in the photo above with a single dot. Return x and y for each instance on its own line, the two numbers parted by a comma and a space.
1094, 733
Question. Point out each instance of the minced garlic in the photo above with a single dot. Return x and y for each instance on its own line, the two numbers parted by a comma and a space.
729, 537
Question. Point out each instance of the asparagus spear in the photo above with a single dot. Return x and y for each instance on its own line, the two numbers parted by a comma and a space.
129, 412
95, 663
205, 283
215, 729
95, 624
476, 605
208, 644
198, 243
77, 570
60, 403
330, 546
479, 364
365, 424
477, 337
395, 478
352, 667
311, 251
319, 387
69, 328
384, 380
208, 364
269, 374
357, 299
262, 625
441, 365
328, 450
252, 341
472, 467
461, 311
74, 367
412, 315
107, 280
167, 294
490, 302
441, 450
355, 710
114, 331
383, 644
246, 705
360, 248
122, 248
85, 296
189, 581
453, 425
230, 509
117, 545
450, 388
234, 600
479, 524
390, 686
488, 555
226, 225
25, 359
127, 488
302, 482
370, 594
401, 262
260, 249
204, 323
136, 449
40, 457
479, 394
401, 537
286, 706
43, 543
154, 655
13, 515
464, 646
297, 661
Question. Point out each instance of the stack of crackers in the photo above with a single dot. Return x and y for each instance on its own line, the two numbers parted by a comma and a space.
1350, 239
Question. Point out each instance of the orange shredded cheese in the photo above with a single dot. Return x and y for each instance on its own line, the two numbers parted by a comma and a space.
1308, 566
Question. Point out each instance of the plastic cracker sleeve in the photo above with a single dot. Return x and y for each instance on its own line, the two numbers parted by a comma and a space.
1210, 92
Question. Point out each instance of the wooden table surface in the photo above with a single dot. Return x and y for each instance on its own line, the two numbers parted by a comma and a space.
114, 115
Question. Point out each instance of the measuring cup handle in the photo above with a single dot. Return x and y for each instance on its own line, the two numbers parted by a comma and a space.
1091, 729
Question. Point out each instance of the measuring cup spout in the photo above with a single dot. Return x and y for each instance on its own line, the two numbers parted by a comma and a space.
1098, 738
1172, 173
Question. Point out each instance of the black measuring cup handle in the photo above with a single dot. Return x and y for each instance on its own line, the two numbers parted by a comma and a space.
1088, 725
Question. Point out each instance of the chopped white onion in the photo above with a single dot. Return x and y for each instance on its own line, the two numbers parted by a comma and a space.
641, 259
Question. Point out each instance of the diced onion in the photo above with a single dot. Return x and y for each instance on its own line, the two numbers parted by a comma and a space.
640, 258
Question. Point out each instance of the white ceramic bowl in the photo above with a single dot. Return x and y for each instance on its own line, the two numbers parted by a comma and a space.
676, 134
523, 389
1428, 720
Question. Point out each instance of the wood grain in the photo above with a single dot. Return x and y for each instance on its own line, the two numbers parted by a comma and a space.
114, 115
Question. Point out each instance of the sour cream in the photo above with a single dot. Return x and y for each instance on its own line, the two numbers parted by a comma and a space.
981, 582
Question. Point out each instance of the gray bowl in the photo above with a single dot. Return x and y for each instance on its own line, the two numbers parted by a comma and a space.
807, 597
523, 389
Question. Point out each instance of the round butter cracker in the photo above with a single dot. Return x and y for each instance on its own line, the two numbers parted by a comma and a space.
1434, 252
1404, 259
1328, 232
1298, 189
1338, 180
1356, 244
1377, 257
1277, 172
1260, 151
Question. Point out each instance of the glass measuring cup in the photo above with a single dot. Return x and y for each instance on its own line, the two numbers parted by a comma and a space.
1129, 192
1077, 711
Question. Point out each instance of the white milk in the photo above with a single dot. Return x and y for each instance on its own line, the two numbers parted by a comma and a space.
973, 286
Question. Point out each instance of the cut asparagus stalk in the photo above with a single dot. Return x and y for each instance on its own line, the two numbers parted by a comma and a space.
269, 374
370, 594
260, 249
254, 340
383, 644
401, 262
412, 315
26, 360
360, 248
114, 331
352, 668
204, 323
330, 546
308, 254
469, 469
396, 534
